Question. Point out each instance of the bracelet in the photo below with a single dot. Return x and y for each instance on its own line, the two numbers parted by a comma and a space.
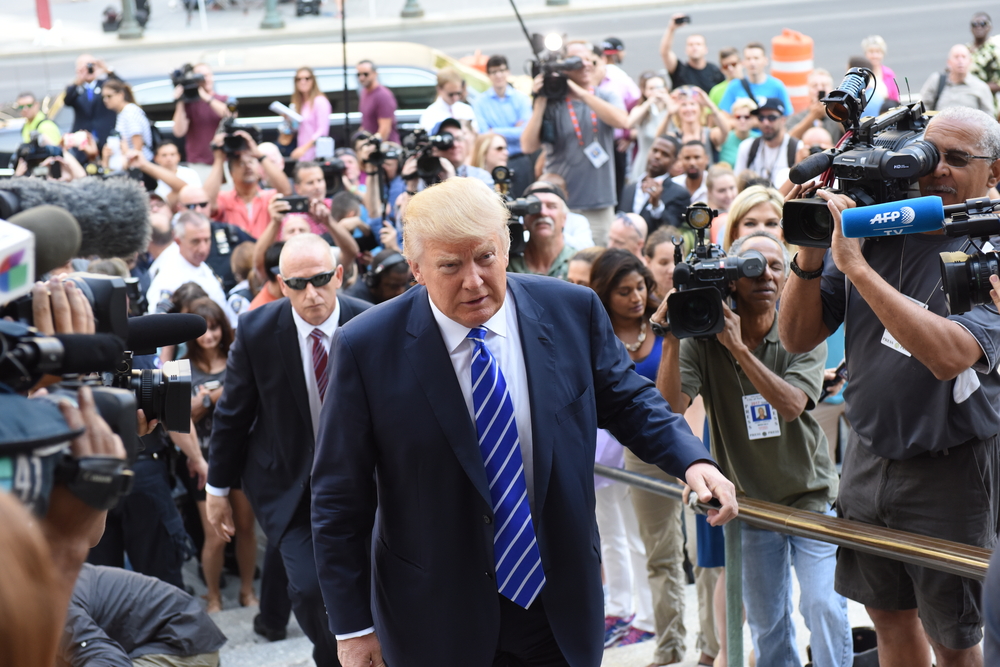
372, 173
804, 275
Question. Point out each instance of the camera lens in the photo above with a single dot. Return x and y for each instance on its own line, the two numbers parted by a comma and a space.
165, 394
695, 312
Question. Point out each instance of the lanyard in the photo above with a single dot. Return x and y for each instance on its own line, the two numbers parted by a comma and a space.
576, 123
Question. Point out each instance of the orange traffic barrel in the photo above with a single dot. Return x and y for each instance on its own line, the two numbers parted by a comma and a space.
791, 63
478, 61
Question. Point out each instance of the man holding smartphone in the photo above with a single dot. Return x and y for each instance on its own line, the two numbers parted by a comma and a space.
697, 71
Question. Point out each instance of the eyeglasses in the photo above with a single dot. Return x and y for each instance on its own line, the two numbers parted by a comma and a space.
453, 96
746, 117
769, 118
22, 107
502, 70
362, 75
201, 204
319, 280
980, 24
961, 159
303, 78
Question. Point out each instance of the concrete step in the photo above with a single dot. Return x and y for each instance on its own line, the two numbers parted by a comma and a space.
246, 648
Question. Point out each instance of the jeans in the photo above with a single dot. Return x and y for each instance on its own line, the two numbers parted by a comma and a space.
767, 595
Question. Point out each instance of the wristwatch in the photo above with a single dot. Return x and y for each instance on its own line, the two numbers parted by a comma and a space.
805, 275
659, 329
206, 401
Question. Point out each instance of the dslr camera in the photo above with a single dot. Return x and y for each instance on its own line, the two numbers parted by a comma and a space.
378, 157
189, 80
704, 279
233, 143
879, 161
422, 145
517, 207
34, 153
965, 277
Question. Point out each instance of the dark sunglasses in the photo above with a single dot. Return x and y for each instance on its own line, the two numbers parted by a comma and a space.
303, 78
746, 117
961, 159
980, 24
362, 75
768, 118
22, 107
201, 204
319, 280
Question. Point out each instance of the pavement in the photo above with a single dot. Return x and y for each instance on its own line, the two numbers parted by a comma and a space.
77, 23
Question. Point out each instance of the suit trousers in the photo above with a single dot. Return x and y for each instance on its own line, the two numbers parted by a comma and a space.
296, 547
526, 639
660, 528
275, 607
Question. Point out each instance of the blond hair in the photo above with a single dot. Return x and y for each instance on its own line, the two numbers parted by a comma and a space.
448, 75
454, 211
746, 200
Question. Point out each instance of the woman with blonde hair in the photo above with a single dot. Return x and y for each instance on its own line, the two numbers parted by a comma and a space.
874, 48
310, 103
688, 122
758, 208
489, 151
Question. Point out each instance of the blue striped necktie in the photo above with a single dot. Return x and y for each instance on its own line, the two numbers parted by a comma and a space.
518, 563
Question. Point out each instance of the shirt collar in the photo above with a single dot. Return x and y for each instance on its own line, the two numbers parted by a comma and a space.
454, 333
493, 93
328, 327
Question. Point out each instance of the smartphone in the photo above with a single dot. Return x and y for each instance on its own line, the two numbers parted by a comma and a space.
841, 374
298, 203
55, 170
212, 385
75, 139
681, 20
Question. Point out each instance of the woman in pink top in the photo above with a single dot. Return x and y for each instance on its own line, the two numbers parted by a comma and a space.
875, 48
314, 108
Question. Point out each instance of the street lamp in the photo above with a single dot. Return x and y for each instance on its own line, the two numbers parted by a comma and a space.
412, 10
129, 27
272, 19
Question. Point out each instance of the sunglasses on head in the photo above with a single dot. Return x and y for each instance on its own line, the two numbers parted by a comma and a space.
319, 280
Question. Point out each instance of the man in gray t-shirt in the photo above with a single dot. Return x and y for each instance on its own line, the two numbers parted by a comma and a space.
923, 402
580, 144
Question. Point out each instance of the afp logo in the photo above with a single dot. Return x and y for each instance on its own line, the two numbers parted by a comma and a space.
903, 216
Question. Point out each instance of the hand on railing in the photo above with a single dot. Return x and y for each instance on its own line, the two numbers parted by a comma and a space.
708, 482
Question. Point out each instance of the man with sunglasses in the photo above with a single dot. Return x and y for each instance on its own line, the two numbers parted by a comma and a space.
922, 401
449, 104
985, 52
266, 421
30, 109
224, 237
376, 103
774, 150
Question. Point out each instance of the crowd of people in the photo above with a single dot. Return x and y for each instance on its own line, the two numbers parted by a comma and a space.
304, 420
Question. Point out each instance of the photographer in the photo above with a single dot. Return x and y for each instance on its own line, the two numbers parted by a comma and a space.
546, 252
246, 204
767, 442
84, 97
934, 475
196, 120
580, 145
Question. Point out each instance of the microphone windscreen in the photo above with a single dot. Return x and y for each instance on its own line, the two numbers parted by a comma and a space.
90, 353
57, 235
907, 216
149, 332
113, 213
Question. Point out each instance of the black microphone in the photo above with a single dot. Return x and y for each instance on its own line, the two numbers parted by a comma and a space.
113, 214
148, 332
57, 235
811, 167
69, 354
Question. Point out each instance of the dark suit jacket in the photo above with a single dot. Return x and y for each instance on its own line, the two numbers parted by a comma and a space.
400, 414
90, 115
675, 200
262, 429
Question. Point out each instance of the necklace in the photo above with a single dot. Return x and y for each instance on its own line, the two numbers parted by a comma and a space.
632, 347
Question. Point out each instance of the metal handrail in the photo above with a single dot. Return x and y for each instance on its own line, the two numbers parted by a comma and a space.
937, 554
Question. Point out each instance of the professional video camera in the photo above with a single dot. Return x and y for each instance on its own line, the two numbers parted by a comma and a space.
333, 173
878, 160
553, 64
420, 144
34, 153
704, 279
517, 208
966, 278
233, 143
189, 80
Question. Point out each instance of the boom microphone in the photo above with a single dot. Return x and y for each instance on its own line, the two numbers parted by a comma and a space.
149, 332
907, 216
113, 213
57, 235
90, 353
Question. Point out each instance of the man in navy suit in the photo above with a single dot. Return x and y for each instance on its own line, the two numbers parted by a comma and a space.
84, 97
467, 413
265, 422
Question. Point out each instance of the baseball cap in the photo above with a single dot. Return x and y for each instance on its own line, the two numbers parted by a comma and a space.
772, 104
446, 123
612, 45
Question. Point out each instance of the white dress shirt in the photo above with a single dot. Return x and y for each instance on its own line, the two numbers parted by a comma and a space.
641, 198
439, 110
701, 194
503, 338
304, 329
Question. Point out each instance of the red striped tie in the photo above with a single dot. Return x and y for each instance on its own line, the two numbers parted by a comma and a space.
319, 361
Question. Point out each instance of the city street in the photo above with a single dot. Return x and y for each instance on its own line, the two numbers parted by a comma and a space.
918, 32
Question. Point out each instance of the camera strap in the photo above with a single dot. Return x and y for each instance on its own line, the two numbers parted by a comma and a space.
576, 122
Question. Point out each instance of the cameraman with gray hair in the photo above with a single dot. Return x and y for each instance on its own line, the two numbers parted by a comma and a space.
935, 475
767, 442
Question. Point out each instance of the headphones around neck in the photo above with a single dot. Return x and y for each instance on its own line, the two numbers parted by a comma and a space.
374, 276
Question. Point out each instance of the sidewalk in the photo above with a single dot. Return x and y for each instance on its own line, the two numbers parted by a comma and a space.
77, 24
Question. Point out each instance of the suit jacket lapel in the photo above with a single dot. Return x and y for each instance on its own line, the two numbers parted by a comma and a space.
288, 343
431, 364
538, 346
